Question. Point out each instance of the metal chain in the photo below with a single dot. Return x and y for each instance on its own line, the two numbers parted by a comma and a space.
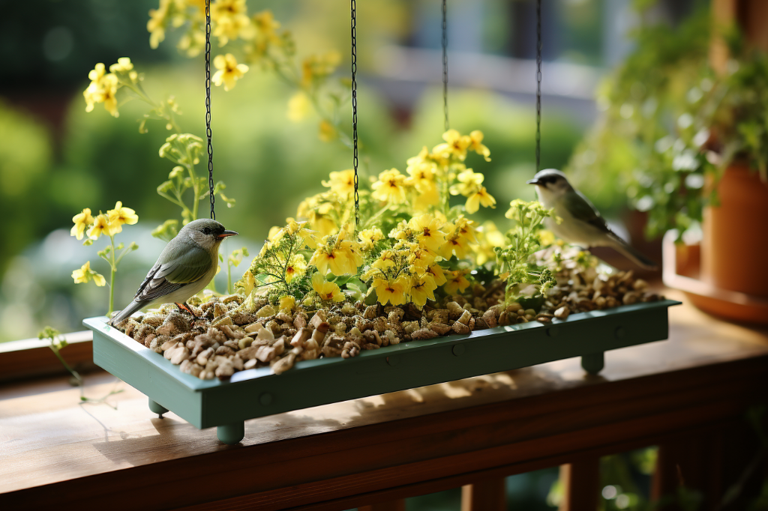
353, 5
208, 103
445, 63
538, 85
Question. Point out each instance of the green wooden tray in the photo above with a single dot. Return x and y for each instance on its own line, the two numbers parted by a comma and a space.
258, 392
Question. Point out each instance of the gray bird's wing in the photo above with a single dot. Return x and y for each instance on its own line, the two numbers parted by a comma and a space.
180, 267
580, 207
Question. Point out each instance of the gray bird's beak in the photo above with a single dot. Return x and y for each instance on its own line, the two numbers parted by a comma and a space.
226, 234
533, 182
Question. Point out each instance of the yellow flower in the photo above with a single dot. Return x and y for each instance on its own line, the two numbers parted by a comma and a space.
266, 26
469, 181
333, 257
318, 66
299, 107
422, 288
420, 159
102, 89
81, 220
100, 226
287, 303
428, 233
422, 175
455, 243
85, 274
425, 198
120, 216
455, 145
229, 71
326, 131
390, 187
476, 145
158, 20
368, 237
546, 238
296, 267
231, 21
250, 282
353, 250
342, 183
421, 259
327, 291
390, 290
456, 281
466, 228
109, 94
385, 261
123, 65
435, 271
481, 196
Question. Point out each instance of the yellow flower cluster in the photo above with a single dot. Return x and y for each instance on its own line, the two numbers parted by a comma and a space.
326, 212
342, 183
229, 21
85, 274
431, 173
108, 224
410, 270
338, 254
102, 89
318, 67
103, 86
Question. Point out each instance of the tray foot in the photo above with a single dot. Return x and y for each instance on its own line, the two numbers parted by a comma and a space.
593, 363
231, 433
156, 408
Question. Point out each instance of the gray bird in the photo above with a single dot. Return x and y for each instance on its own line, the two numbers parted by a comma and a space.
582, 225
184, 268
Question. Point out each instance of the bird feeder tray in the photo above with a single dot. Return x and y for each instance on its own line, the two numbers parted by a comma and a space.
257, 392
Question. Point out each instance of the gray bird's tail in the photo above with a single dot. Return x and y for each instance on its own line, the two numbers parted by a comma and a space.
632, 254
125, 313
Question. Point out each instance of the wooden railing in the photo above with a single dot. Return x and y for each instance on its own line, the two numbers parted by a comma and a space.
688, 395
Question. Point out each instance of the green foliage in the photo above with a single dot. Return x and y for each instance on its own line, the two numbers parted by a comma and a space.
669, 121
281, 264
524, 277
25, 160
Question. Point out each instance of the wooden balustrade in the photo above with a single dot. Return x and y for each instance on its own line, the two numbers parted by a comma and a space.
689, 395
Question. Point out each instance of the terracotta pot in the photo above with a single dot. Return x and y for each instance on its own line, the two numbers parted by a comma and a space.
734, 247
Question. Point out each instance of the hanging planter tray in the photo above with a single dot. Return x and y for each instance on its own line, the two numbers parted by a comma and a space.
257, 392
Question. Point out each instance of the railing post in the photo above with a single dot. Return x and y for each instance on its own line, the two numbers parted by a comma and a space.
581, 485
485, 495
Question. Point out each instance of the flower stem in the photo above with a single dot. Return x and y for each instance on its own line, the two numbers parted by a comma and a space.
113, 268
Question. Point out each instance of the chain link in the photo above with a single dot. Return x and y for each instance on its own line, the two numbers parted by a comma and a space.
353, 5
538, 85
445, 63
208, 132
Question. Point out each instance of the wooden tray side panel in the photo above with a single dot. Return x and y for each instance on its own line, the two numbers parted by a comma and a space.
136, 370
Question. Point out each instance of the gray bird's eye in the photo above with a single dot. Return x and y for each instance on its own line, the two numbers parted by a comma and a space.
207, 231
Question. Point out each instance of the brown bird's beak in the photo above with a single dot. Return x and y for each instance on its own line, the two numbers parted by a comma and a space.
533, 182
226, 234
